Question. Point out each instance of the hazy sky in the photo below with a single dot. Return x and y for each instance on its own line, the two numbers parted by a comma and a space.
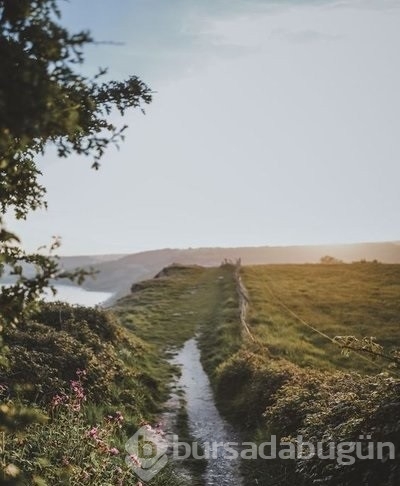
274, 122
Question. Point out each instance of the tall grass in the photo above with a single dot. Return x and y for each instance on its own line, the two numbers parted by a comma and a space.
360, 299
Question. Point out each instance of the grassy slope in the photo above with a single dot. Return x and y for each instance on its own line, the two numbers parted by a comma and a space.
126, 371
358, 299
46, 351
181, 303
44, 355
169, 310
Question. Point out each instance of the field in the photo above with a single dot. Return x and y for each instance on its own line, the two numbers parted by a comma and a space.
360, 299
288, 380
182, 302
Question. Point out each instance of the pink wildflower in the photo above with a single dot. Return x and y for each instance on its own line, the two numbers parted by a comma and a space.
113, 451
134, 458
101, 445
58, 400
78, 389
80, 373
65, 461
93, 432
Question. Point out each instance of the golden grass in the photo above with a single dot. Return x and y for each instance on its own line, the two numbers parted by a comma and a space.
360, 299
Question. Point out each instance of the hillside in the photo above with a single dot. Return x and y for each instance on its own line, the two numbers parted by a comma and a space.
117, 274
361, 300
269, 374
89, 385
285, 379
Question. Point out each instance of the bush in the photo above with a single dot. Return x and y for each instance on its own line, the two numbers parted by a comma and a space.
68, 450
45, 354
247, 384
273, 396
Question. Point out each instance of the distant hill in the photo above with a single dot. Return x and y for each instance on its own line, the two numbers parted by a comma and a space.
68, 263
117, 273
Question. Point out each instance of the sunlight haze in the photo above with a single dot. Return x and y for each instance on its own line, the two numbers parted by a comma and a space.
273, 123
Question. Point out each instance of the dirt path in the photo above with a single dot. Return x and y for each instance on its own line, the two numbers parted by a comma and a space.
206, 425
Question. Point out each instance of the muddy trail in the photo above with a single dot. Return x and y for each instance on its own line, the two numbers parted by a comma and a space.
206, 425
174, 312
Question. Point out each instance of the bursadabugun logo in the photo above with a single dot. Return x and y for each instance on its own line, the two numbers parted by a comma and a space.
147, 452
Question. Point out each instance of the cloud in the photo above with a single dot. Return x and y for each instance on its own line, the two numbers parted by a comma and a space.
163, 39
368, 4
304, 36
167, 38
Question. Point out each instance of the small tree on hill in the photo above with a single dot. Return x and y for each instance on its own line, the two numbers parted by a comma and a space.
329, 260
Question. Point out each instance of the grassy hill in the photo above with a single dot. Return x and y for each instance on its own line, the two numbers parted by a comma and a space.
359, 299
287, 379
116, 273
89, 384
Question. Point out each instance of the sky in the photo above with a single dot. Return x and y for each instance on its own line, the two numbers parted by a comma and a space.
273, 123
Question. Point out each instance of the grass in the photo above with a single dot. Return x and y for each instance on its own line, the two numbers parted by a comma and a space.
286, 380
116, 378
358, 299
167, 311
292, 379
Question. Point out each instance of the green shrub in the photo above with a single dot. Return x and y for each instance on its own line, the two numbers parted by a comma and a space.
342, 408
44, 355
247, 383
69, 450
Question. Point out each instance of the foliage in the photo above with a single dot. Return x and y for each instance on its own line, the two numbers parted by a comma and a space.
46, 352
70, 450
341, 408
369, 346
45, 99
267, 396
329, 260
246, 384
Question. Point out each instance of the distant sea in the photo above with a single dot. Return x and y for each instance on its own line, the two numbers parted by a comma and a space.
77, 295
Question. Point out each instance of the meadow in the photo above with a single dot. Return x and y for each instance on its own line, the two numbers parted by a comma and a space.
289, 378
82, 385
360, 299
79, 370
